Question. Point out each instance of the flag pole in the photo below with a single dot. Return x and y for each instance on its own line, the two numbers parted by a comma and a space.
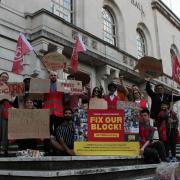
40, 60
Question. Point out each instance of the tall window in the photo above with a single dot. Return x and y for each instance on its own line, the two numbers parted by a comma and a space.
141, 44
108, 27
62, 8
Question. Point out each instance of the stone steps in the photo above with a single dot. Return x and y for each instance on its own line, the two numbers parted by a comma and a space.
74, 168
108, 173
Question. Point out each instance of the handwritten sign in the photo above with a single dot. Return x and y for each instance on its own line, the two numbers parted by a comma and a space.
39, 86
149, 67
16, 88
4, 92
69, 86
54, 61
28, 123
97, 103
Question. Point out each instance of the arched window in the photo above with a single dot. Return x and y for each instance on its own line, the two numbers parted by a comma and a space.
62, 8
109, 30
141, 44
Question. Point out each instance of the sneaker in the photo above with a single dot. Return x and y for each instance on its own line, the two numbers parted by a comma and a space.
174, 159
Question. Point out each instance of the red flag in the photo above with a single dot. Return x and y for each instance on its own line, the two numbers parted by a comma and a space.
78, 47
22, 48
175, 69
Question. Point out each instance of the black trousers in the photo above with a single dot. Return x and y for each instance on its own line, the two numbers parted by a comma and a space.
155, 152
54, 123
170, 144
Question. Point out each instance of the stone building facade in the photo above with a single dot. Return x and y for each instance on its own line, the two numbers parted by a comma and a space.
116, 33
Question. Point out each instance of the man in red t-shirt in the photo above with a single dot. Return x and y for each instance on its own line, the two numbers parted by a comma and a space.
153, 151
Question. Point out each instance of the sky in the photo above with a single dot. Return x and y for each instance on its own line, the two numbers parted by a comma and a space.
174, 5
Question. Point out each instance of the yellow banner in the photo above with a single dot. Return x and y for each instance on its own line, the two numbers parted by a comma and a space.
107, 148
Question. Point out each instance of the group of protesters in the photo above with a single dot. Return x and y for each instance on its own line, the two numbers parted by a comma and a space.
64, 108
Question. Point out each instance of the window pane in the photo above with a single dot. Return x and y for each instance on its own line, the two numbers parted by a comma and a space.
108, 26
62, 8
140, 44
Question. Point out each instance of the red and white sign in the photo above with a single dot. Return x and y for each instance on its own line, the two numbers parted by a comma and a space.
69, 86
105, 125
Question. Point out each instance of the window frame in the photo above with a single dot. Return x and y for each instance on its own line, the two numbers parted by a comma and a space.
111, 25
141, 44
62, 9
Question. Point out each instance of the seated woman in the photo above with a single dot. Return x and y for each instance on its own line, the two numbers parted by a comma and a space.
96, 101
27, 143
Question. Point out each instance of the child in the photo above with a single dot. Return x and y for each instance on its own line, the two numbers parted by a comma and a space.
27, 143
167, 127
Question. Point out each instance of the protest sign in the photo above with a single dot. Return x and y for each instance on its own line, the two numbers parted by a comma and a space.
149, 67
16, 88
131, 119
106, 134
98, 103
28, 123
105, 126
39, 86
4, 92
69, 86
54, 61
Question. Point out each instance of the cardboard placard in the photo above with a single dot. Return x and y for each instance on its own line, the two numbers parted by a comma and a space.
28, 123
4, 92
39, 86
98, 103
16, 88
149, 67
69, 86
54, 61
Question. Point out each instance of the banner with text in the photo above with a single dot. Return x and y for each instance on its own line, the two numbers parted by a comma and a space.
105, 125
107, 133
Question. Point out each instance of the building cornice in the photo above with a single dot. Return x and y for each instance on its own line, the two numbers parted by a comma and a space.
166, 12
78, 29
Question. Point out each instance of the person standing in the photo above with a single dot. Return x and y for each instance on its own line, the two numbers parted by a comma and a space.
5, 105
112, 99
168, 128
138, 99
157, 97
54, 101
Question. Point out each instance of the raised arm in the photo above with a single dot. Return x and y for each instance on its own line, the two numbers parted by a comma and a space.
149, 90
